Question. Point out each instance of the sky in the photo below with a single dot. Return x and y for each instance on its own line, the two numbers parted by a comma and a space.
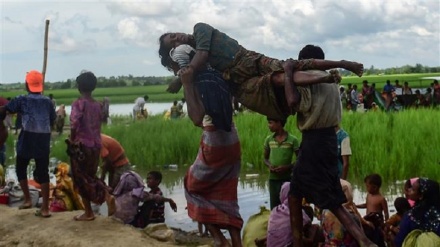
120, 37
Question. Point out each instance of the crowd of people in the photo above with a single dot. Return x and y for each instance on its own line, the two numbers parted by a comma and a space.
351, 97
213, 69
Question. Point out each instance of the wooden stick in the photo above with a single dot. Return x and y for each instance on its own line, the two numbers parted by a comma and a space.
46, 36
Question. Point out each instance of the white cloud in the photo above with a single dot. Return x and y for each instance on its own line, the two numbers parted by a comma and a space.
121, 36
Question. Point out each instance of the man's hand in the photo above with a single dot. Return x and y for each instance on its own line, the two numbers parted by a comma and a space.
172, 205
175, 86
187, 75
283, 169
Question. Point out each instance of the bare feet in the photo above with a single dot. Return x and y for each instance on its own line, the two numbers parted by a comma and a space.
334, 77
84, 217
25, 205
354, 67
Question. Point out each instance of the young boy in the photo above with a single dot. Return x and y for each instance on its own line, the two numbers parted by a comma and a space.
279, 149
392, 224
33, 142
376, 202
152, 211
377, 209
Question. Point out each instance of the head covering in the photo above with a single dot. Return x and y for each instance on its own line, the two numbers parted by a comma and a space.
34, 81
426, 213
279, 232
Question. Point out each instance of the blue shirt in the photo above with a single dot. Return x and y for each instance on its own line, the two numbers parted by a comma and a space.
38, 116
388, 88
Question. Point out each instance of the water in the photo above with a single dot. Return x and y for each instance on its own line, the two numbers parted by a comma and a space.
252, 193
127, 109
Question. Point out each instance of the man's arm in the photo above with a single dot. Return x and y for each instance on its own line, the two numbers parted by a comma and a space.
385, 208
195, 108
266, 158
345, 166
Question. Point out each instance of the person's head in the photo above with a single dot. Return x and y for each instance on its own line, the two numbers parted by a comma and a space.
86, 82
183, 100
365, 82
50, 96
425, 191
435, 82
402, 205
428, 90
373, 183
341, 89
311, 51
154, 178
373, 85
397, 82
34, 81
175, 102
417, 91
355, 87
405, 83
275, 124
168, 41
350, 86
388, 82
146, 97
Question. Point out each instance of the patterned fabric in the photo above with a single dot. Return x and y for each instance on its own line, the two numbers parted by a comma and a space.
211, 182
334, 232
37, 117
85, 121
418, 238
216, 98
182, 55
84, 165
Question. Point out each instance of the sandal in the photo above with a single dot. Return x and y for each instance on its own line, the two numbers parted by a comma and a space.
39, 214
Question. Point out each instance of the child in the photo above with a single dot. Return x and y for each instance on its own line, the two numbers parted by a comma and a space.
392, 224
84, 146
279, 149
377, 209
33, 142
152, 211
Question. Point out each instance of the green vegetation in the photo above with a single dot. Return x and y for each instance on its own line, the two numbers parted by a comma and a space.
157, 93
396, 145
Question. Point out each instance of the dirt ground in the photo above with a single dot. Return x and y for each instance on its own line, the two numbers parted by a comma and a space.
22, 228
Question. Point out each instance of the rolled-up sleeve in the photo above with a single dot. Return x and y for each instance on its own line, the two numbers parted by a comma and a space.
202, 35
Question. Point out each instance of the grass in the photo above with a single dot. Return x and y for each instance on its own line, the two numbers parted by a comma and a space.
157, 93
396, 145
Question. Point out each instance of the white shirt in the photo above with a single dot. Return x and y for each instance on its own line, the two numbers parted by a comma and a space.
139, 104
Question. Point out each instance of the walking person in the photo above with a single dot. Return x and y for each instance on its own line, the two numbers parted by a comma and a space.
315, 174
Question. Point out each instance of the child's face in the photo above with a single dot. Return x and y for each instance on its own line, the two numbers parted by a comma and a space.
152, 182
273, 125
371, 188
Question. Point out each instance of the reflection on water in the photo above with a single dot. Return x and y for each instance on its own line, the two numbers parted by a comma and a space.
127, 109
253, 192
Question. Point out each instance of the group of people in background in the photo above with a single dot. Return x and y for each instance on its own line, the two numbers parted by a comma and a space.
351, 97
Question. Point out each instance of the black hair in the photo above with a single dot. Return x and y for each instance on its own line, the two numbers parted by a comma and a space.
311, 51
402, 205
364, 81
156, 175
282, 121
86, 82
146, 97
388, 81
164, 53
374, 179
175, 102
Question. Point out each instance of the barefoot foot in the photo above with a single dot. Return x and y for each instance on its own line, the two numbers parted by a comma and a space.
111, 205
354, 67
84, 217
25, 205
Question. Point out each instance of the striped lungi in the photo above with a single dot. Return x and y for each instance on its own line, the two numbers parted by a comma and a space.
211, 182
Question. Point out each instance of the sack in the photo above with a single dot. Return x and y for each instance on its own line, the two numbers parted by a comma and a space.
256, 227
16, 197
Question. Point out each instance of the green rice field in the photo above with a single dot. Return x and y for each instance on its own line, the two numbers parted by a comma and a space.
396, 145
157, 93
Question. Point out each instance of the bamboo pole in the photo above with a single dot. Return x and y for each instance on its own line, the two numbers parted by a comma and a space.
46, 36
